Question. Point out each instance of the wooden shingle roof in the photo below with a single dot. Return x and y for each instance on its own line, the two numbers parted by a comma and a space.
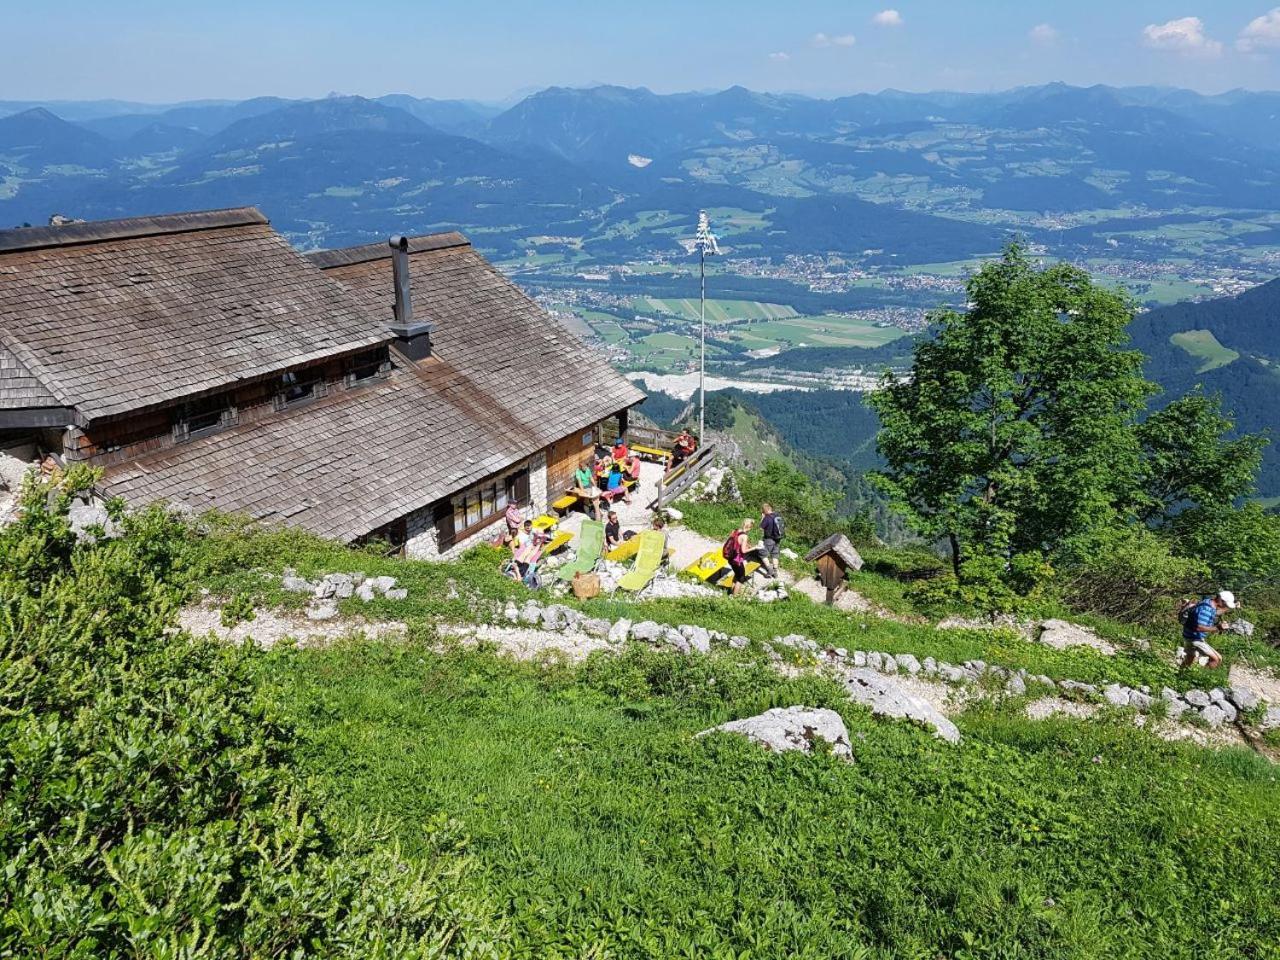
342, 466
535, 377
18, 388
122, 315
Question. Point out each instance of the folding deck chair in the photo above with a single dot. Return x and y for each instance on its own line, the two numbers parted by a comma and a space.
590, 543
648, 560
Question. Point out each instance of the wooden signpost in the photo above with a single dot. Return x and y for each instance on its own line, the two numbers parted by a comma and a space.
835, 557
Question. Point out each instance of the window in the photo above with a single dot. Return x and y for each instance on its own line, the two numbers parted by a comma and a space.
204, 416
367, 366
299, 386
486, 501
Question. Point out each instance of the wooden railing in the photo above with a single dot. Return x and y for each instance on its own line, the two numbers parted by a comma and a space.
680, 478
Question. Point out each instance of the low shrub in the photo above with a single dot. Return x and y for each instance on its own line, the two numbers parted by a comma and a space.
148, 802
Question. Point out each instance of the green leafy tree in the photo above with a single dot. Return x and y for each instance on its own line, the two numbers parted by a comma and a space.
1013, 434
1188, 459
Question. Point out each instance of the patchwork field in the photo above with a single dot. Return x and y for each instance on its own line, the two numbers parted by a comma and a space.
718, 311
830, 330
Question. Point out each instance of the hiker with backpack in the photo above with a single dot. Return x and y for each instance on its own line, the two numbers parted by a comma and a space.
1199, 619
771, 531
735, 552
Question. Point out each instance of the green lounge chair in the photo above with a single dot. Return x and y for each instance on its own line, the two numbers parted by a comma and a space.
648, 560
590, 544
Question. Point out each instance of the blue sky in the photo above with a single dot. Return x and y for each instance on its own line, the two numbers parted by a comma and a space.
177, 49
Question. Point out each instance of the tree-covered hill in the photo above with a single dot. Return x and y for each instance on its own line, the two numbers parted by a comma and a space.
1229, 346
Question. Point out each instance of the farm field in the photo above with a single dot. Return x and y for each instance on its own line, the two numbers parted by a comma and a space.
1204, 346
718, 311
831, 330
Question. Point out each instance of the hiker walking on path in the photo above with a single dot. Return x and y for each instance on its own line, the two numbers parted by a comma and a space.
771, 530
1198, 621
735, 552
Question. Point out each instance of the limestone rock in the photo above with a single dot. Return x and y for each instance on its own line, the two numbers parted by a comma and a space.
1213, 715
510, 613
619, 631
1016, 686
322, 609
382, 584
1116, 695
1243, 627
364, 592
293, 583
1062, 635
595, 627
739, 643
1197, 698
646, 631
792, 728
397, 593
89, 520
699, 637
886, 698
1242, 698
1270, 720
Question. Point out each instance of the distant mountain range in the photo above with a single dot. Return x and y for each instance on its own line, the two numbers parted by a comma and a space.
581, 163
610, 175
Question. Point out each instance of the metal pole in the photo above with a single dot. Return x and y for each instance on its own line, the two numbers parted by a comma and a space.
702, 346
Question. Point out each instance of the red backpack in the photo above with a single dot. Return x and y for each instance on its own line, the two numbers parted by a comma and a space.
732, 550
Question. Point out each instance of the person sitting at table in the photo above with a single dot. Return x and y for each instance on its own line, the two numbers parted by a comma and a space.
604, 466
684, 447
630, 476
614, 487
620, 449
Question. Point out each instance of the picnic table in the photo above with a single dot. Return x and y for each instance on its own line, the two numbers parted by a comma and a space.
656, 454
711, 568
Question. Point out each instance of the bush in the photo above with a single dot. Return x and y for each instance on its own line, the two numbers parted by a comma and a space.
148, 806
1130, 574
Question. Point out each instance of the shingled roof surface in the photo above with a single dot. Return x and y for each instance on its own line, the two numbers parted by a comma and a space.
342, 466
118, 316
503, 350
18, 388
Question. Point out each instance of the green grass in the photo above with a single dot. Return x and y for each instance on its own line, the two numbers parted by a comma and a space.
1204, 346
603, 828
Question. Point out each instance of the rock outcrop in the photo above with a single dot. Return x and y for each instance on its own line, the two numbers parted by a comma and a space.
792, 728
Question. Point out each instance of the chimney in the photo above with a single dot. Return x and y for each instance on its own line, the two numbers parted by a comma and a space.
413, 339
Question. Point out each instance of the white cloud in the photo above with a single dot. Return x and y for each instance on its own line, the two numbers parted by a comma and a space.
1185, 35
887, 18
840, 40
1043, 34
1262, 33
780, 57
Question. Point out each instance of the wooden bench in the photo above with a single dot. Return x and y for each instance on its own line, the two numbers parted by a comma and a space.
566, 503
712, 568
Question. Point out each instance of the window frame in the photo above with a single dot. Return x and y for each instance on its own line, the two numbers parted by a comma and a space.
377, 358
313, 382
228, 415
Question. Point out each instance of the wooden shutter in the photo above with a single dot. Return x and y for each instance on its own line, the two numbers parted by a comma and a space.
520, 487
445, 533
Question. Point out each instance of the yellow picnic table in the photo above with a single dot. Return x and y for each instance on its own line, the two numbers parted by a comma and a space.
650, 453
712, 568
545, 522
